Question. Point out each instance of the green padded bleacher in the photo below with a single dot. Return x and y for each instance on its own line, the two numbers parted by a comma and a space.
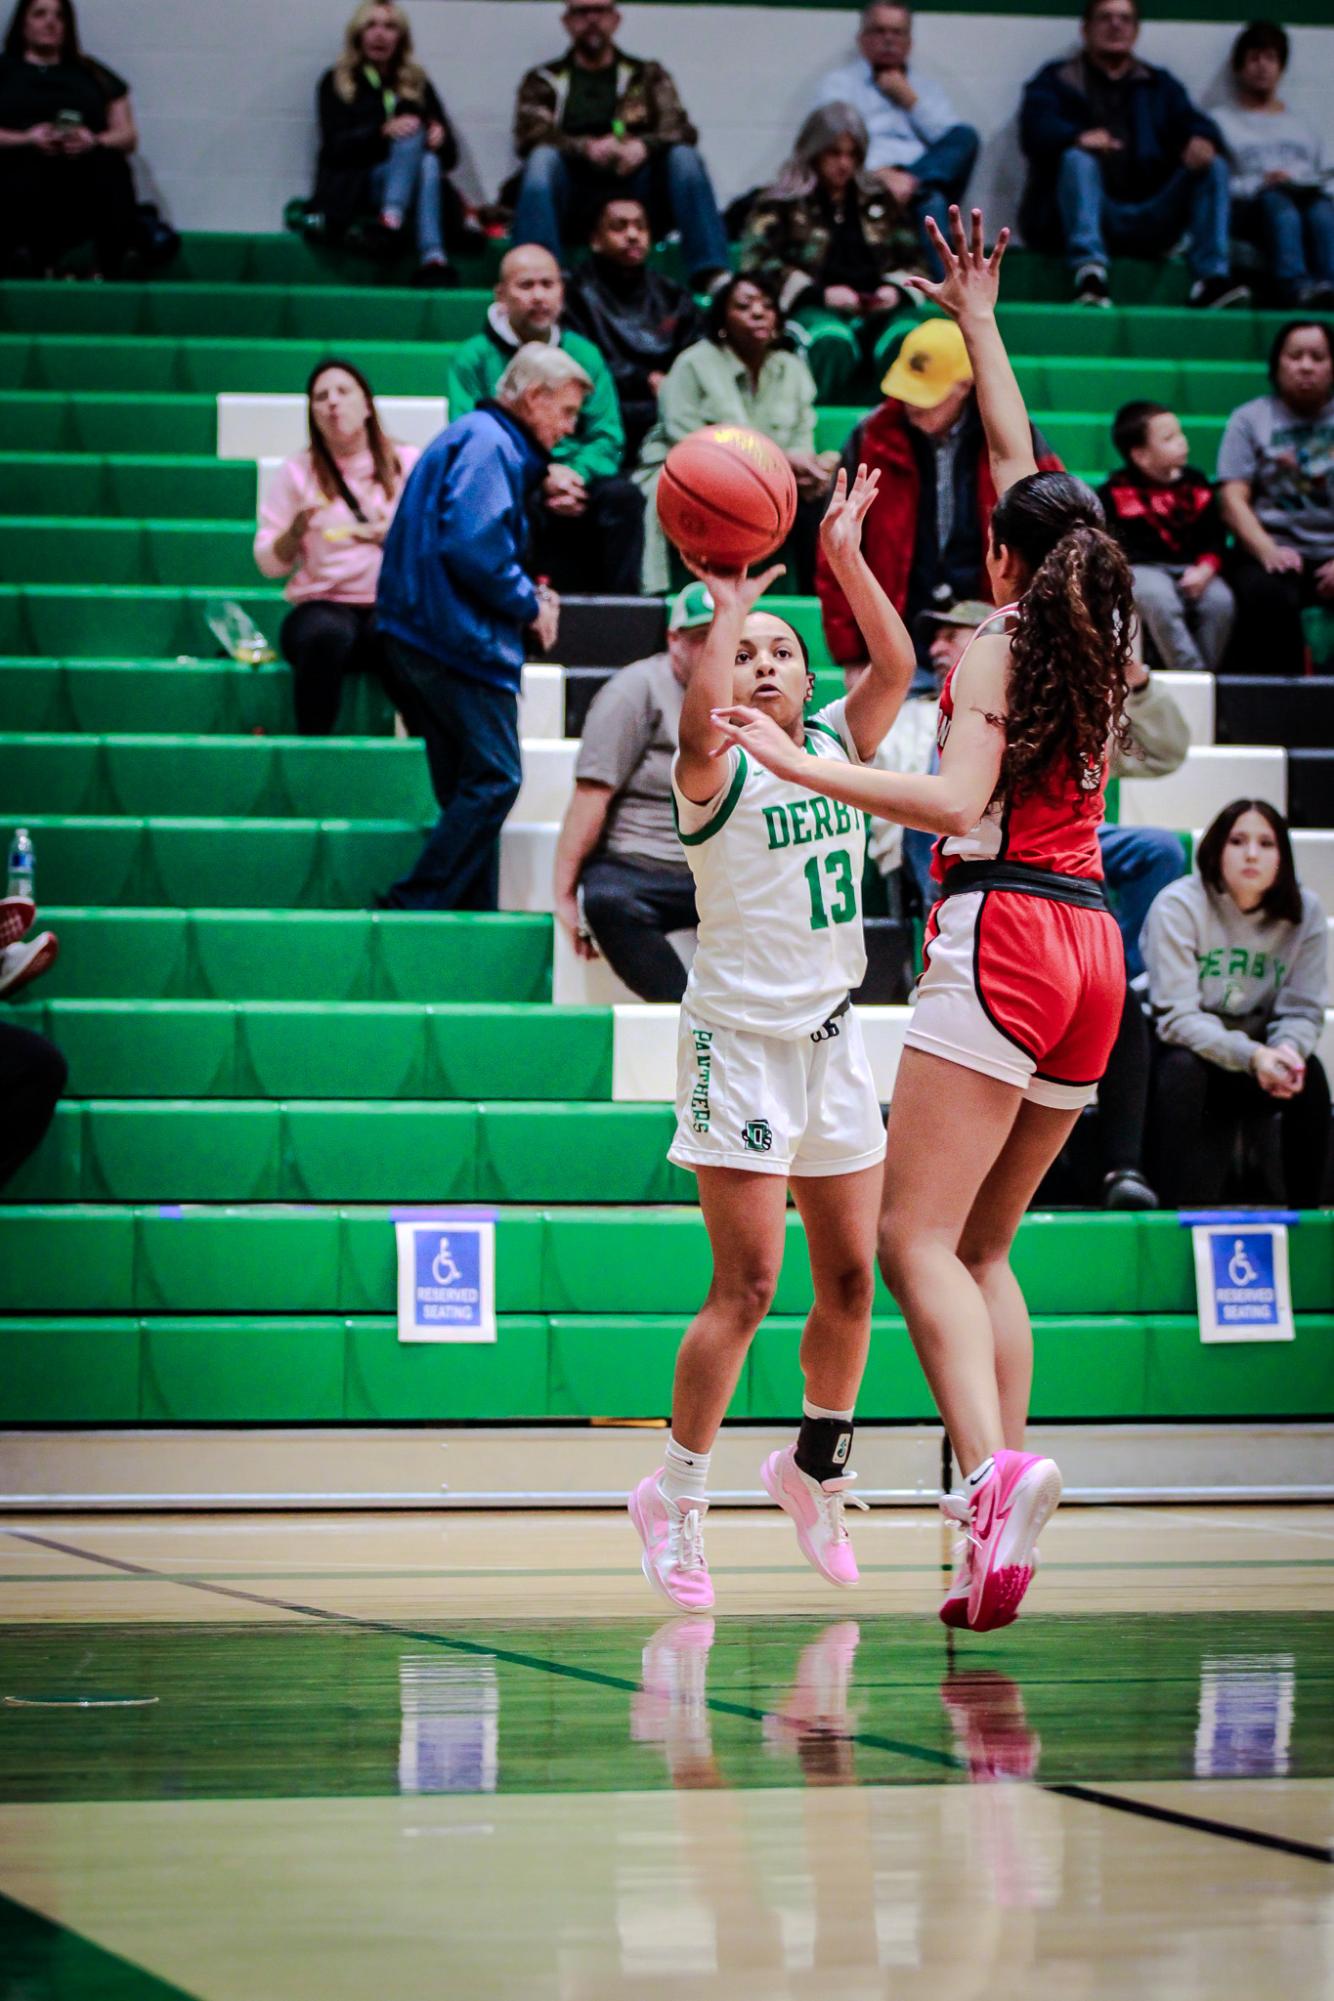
182, 697
251, 1150
296, 955
34, 420
326, 1049
164, 486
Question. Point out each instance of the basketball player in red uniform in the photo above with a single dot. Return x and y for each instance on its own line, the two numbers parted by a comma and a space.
1018, 1006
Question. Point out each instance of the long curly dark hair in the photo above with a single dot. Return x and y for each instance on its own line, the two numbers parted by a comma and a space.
1072, 634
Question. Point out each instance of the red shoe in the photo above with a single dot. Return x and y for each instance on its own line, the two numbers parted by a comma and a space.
21, 963
16, 916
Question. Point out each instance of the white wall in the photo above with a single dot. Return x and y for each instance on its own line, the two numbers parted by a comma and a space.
224, 89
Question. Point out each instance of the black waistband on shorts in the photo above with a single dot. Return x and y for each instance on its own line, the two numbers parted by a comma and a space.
829, 1026
1085, 890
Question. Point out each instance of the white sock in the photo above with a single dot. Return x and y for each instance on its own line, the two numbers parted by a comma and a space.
685, 1475
974, 1480
809, 1409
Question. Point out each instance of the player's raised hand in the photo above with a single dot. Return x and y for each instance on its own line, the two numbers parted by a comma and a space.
841, 529
760, 737
971, 284
734, 592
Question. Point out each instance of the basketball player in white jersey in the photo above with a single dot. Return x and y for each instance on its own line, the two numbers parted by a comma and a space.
773, 1083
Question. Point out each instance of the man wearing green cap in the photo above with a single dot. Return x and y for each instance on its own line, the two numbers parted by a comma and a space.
925, 538
623, 886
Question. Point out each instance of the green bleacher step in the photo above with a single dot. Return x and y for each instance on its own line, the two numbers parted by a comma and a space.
346, 1049
599, 1262
251, 1150
188, 697
266, 954
237, 1369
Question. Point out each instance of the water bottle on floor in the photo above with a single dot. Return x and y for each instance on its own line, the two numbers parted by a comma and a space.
22, 872
236, 633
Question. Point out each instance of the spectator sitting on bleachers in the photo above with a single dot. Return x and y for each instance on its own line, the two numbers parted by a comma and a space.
1276, 486
1120, 160
742, 372
66, 134
917, 149
925, 538
1238, 984
455, 601
322, 522
386, 144
619, 854
1165, 515
32, 1070
833, 244
1281, 180
638, 319
596, 122
588, 518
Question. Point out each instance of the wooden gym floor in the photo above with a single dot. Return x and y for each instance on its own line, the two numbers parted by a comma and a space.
268, 1758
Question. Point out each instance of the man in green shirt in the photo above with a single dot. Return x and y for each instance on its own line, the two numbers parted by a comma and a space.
588, 527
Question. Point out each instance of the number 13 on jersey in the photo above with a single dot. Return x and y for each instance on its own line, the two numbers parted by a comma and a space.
837, 865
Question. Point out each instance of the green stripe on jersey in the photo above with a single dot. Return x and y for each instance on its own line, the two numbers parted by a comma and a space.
721, 817
825, 729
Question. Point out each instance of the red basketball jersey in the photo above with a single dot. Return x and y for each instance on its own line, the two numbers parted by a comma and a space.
1053, 825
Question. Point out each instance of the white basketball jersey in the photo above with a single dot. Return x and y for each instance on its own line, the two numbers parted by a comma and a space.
778, 887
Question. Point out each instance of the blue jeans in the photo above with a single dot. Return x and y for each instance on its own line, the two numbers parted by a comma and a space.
1093, 223
942, 175
1138, 862
1295, 228
410, 180
559, 197
471, 731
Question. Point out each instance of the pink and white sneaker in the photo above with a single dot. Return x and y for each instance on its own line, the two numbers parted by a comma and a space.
954, 1611
816, 1507
1006, 1515
673, 1540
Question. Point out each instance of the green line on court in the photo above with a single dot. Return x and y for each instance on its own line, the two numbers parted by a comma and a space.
47, 1961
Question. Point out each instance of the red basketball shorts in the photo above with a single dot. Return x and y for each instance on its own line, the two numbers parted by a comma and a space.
1024, 989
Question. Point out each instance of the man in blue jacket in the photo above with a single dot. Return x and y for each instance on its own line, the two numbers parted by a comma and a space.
454, 603
1121, 160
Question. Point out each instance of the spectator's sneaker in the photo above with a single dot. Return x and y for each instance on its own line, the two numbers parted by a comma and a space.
990, 1725
21, 963
1318, 298
16, 915
1006, 1515
1126, 1188
1213, 295
816, 1507
1091, 288
436, 276
673, 1542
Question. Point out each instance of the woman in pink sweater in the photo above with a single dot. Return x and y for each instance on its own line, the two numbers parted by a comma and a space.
322, 524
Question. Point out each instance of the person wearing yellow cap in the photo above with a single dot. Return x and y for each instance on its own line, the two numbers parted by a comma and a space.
926, 537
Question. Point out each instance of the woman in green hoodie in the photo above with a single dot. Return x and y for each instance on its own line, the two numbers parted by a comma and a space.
1238, 984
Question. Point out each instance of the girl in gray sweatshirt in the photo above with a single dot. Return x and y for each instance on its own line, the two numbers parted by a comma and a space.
1236, 958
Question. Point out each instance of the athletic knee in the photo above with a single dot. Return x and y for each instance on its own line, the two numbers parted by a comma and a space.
846, 1293
743, 1296
896, 1252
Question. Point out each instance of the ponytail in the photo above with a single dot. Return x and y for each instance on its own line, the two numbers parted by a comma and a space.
1071, 641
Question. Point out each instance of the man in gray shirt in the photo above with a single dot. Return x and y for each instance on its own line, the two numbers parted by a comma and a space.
618, 850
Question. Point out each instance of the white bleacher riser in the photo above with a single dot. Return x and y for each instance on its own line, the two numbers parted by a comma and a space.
1194, 696
1325, 1046
577, 982
527, 865
253, 426
644, 1049
1211, 775
1313, 852
548, 778
542, 701
1329, 956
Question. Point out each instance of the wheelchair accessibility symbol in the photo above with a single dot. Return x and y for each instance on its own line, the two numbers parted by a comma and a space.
1240, 1270
445, 1271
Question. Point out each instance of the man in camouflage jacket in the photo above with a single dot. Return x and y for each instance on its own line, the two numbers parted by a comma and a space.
596, 121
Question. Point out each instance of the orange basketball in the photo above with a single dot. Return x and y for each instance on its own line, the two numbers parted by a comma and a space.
726, 497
